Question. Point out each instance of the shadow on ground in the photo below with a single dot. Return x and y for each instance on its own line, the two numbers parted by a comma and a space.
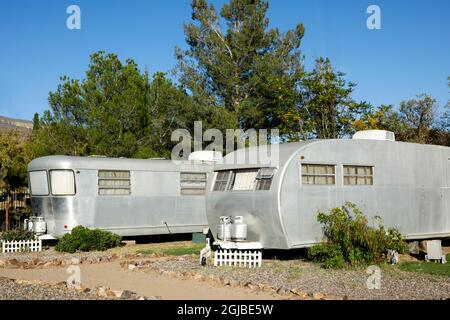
160, 238
293, 254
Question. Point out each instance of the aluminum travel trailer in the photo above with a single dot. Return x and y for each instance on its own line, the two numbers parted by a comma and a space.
129, 197
406, 184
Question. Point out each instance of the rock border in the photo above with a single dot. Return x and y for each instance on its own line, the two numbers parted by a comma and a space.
99, 291
279, 292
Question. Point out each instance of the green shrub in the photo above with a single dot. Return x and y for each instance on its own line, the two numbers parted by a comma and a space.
17, 235
328, 254
350, 239
84, 239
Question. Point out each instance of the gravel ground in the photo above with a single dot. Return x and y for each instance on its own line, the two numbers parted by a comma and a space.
49, 254
52, 256
310, 278
15, 290
281, 275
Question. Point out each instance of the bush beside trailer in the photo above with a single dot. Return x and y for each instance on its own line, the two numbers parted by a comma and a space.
129, 197
406, 184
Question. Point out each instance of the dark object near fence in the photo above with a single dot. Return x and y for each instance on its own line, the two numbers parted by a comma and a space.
14, 207
16, 198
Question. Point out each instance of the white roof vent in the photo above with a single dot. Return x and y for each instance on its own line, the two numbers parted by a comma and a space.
381, 135
212, 156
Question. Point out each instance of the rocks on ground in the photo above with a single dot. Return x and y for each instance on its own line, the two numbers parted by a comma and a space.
303, 280
11, 289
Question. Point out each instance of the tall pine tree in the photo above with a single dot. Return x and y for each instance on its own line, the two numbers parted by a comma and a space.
234, 60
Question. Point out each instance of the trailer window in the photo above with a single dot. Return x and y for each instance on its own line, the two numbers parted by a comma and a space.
264, 178
243, 180
358, 175
193, 183
318, 174
62, 182
38, 183
221, 180
114, 183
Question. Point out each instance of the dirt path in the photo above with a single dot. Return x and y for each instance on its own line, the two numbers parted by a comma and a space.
112, 275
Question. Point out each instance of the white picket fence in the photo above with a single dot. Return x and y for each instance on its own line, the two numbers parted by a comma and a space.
22, 246
238, 258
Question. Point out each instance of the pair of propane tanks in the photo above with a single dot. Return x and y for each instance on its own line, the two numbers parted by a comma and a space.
232, 229
36, 225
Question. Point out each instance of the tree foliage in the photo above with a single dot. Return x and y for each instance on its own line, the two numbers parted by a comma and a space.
417, 120
419, 115
327, 110
14, 157
246, 67
236, 72
118, 111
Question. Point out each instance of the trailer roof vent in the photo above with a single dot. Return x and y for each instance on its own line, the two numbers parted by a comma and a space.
213, 156
382, 135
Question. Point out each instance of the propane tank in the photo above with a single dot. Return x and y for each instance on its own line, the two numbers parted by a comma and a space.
36, 225
239, 229
39, 225
224, 232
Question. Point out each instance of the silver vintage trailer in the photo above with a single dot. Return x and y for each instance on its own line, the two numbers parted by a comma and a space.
129, 197
406, 184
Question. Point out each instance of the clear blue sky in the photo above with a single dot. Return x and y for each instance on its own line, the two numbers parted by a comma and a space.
408, 56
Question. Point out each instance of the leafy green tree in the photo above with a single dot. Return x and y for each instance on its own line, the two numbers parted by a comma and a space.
383, 117
419, 115
36, 121
170, 109
102, 114
327, 110
441, 133
415, 121
118, 111
245, 67
445, 119
13, 159
63, 129
115, 106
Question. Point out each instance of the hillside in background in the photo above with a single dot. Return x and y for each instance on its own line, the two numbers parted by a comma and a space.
9, 123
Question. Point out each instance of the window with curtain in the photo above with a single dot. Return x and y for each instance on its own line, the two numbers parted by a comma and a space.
192, 183
114, 183
62, 182
38, 183
358, 175
318, 174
